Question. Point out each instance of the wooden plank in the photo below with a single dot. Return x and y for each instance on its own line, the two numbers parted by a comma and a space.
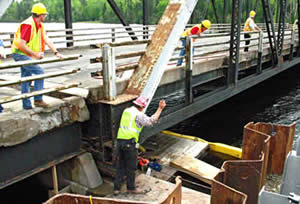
195, 168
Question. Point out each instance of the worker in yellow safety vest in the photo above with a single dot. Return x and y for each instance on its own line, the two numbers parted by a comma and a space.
195, 30
29, 43
250, 26
132, 121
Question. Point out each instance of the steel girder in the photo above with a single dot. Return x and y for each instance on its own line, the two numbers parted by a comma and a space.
271, 31
234, 42
281, 26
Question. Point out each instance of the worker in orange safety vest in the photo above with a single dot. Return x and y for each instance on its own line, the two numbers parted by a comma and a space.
195, 30
250, 26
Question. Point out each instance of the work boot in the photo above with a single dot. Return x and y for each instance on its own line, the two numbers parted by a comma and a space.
41, 104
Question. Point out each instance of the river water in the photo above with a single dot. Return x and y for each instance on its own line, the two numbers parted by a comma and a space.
276, 100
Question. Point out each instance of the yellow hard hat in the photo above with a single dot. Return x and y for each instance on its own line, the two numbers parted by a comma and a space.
252, 13
39, 9
206, 24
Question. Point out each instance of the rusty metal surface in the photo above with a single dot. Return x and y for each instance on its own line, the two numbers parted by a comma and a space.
221, 193
164, 40
281, 141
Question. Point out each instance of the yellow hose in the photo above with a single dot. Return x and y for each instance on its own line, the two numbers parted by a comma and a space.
216, 147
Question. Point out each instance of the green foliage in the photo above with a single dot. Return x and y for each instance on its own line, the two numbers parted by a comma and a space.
132, 10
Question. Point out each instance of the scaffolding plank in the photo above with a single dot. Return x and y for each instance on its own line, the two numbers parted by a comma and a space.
195, 168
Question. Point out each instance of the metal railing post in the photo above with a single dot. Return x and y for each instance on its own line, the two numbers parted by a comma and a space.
109, 72
12, 36
260, 50
188, 70
113, 35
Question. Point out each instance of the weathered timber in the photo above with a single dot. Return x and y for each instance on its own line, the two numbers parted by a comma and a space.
195, 168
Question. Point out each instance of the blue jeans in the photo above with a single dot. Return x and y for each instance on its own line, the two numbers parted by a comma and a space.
182, 52
1, 108
29, 71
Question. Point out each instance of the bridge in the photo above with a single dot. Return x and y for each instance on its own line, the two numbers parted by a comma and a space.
106, 68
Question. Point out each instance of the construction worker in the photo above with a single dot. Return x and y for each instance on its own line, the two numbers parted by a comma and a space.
2, 55
29, 43
250, 26
132, 121
195, 30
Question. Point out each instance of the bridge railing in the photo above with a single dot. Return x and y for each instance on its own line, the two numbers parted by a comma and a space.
85, 36
7, 82
207, 46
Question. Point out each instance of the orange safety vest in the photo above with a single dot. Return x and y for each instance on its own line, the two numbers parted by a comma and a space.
36, 42
188, 32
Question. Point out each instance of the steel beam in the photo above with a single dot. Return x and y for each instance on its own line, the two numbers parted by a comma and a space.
232, 75
36, 155
117, 11
189, 71
68, 21
281, 26
147, 76
271, 31
298, 10
212, 98
145, 17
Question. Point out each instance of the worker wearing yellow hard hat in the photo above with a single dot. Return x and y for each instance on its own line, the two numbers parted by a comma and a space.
250, 26
29, 43
195, 30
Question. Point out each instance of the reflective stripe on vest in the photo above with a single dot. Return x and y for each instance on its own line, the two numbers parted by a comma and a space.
36, 42
128, 128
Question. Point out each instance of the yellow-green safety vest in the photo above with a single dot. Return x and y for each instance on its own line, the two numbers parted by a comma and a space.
36, 42
128, 128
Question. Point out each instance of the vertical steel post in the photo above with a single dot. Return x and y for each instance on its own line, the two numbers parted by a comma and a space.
281, 26
259, 55
145, 19
298, 10
109, 72
271, 31
68, 21
188, 70
292, 42
233, 70
12, 36
113, 35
